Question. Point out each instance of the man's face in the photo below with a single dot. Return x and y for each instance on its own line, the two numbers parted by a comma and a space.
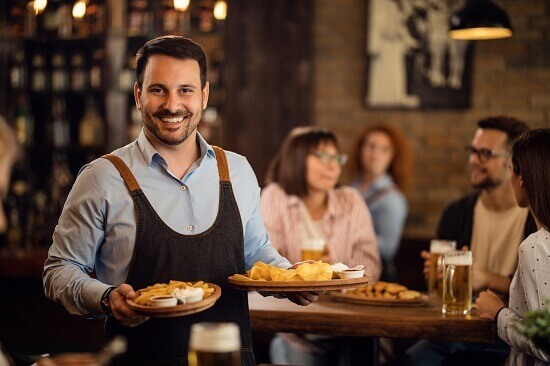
171, 100
494, 171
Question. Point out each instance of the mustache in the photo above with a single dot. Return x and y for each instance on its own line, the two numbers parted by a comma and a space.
168, 114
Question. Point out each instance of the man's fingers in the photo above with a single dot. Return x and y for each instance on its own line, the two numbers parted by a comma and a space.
126, 291
425, 254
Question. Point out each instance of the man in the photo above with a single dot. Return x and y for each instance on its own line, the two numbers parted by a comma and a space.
167, 206
489, 222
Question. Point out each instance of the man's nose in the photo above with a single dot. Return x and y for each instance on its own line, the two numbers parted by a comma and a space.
172, 102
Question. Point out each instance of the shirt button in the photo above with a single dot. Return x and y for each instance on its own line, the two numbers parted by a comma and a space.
190, 227
183, 188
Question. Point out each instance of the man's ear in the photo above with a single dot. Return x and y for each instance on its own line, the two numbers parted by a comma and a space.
521, 184
137, 95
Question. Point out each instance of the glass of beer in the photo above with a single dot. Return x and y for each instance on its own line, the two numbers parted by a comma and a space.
437, 249
212, 344
313, 249
457, 282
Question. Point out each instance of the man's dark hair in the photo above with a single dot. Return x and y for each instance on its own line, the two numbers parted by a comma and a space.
530, 160
511, 126
174, 46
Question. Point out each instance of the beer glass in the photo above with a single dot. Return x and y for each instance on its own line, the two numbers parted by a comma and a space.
313, 249
212, 344
437, 249
457, 282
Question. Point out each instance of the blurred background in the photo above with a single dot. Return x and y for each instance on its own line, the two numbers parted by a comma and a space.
66, 87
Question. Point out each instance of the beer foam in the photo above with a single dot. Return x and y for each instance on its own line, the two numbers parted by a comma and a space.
441, 246
459, 259
313, 244
215, 337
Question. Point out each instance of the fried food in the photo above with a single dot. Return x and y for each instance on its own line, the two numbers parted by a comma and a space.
168, 289
385, 290
318, 271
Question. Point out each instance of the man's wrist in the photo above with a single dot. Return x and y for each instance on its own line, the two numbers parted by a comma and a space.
105, 304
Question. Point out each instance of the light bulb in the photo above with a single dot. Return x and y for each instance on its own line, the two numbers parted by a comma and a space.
39, 5
181, 5
79, 9
220, 10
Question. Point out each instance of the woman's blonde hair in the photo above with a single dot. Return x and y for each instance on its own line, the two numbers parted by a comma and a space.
8, 144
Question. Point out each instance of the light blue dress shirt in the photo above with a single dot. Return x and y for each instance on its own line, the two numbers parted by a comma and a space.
388, 211
97, 228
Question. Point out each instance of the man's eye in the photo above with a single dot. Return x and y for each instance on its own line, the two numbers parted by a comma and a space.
156, 90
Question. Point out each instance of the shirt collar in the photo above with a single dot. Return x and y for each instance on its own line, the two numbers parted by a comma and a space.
149, 152
334, 206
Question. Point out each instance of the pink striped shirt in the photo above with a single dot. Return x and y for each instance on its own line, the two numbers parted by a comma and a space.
347, 224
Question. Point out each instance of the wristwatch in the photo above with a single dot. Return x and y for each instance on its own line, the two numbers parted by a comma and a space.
105, 306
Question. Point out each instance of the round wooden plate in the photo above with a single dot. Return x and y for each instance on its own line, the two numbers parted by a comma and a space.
378, 301
299, 286
178, 310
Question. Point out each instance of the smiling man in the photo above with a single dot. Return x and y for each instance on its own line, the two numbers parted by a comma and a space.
167, 206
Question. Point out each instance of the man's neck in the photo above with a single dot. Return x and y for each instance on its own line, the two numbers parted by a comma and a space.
500, 198
178, 157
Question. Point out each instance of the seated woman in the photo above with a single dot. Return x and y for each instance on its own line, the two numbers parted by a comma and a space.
382, 169
529, 289
308, 217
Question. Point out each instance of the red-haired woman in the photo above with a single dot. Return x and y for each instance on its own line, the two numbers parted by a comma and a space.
382, 162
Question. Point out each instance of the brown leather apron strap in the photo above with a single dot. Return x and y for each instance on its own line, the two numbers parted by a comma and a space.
124, 171
223, 168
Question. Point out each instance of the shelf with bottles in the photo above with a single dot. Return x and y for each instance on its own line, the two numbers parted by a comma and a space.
57, 21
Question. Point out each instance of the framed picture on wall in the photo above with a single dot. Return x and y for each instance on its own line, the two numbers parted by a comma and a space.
412, 63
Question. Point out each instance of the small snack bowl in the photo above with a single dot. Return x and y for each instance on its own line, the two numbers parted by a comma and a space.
189, 295
162, 301
351, 273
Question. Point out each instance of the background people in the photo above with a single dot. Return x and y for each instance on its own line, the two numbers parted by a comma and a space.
489, 222
382, 168
529, 289
308, 217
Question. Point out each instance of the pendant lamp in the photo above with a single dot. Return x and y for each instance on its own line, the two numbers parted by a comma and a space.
480, 20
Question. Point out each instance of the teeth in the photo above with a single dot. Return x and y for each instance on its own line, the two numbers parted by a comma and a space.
172, 119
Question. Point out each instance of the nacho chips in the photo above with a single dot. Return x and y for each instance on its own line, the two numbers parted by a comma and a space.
317, 271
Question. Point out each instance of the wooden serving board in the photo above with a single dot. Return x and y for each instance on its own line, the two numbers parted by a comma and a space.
378, 301
178, 310
299, 286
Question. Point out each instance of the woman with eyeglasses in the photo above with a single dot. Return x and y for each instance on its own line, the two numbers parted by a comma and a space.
382, 169
308, 217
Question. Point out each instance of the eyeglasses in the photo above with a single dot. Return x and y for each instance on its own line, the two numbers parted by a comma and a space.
339, 159
485, 154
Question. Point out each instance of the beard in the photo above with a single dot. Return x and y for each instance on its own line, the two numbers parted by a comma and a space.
191, 121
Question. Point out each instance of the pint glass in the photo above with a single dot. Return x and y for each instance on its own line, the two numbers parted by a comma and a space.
457, 282
313, 249
437, 249
212, 344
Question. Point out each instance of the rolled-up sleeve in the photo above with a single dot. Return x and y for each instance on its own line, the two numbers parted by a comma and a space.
76, 239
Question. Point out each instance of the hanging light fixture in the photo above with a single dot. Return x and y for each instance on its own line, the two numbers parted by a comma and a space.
181, 5
480, 20
79, 9
220, 10
39, 6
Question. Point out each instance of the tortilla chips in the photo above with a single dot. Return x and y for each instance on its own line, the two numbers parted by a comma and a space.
317, 271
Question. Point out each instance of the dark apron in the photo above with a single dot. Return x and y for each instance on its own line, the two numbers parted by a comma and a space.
161, 255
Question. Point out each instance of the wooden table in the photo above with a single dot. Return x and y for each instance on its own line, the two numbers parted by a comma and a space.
342, 319
337, 318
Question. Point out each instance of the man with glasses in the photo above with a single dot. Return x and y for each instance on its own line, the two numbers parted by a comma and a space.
489, 222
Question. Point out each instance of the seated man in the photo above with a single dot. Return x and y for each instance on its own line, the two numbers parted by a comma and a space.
489, 222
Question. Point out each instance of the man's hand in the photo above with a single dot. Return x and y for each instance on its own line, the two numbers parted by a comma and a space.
488, 304
303, 298
121, 311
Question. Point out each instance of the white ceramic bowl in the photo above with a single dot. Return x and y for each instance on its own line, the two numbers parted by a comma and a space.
351, 273
189, 295
163, 301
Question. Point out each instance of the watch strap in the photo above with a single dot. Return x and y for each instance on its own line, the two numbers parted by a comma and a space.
105, 306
